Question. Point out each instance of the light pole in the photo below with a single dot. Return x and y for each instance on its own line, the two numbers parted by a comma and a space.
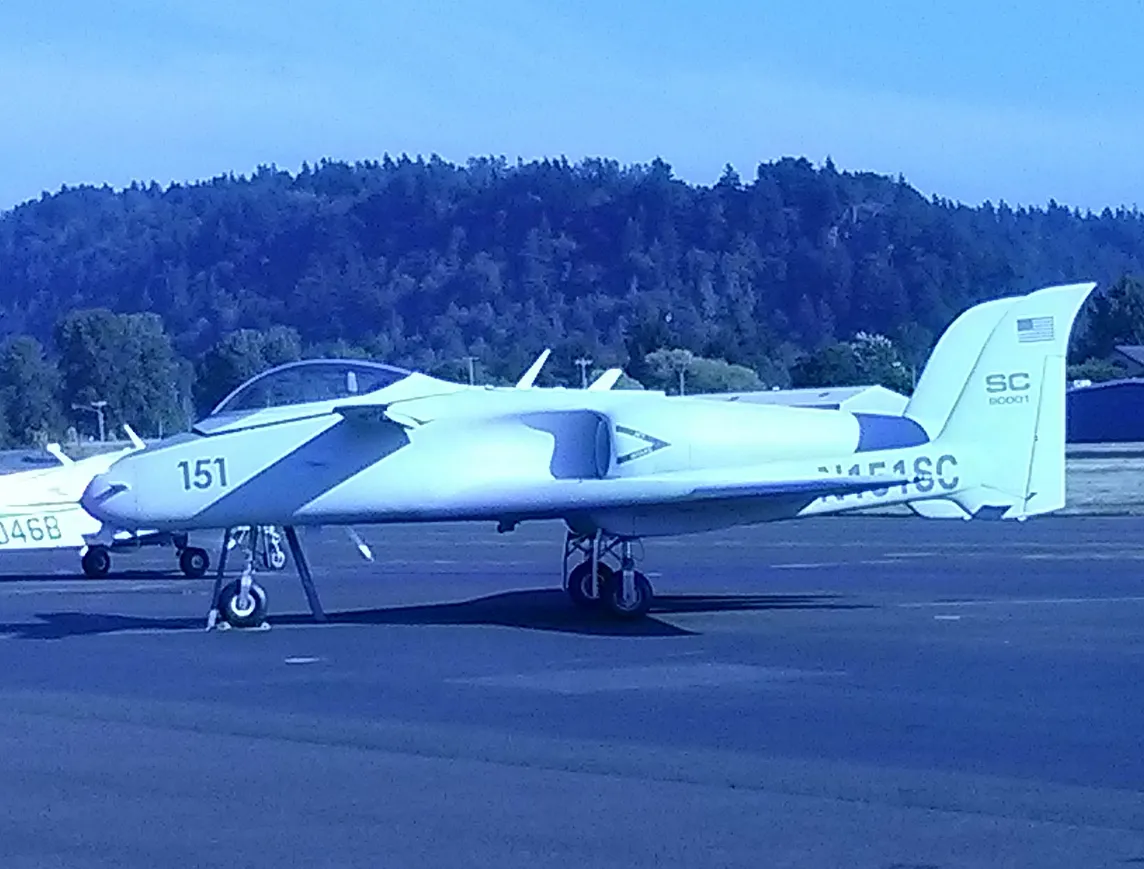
97, 407
470, 360
583, 362
681, 360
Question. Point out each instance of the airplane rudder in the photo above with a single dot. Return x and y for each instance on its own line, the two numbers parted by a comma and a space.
1013, 402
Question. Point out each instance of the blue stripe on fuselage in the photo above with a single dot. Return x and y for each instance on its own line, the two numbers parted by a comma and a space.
883, 432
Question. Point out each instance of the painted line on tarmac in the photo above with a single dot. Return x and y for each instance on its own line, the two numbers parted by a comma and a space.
87, 589
809, 565
1119, 555
805, 565
1027, 601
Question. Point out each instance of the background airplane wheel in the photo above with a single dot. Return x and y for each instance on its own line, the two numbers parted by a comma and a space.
194, 562
638, 608
96, 562
250, 616
580, 583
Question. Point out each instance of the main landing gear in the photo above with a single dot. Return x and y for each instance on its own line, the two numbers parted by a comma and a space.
622, 591
242, 602
193, 561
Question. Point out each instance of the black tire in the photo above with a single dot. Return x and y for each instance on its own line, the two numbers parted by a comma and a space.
96, 562
194, 562
236, 617
579, 583
275, 559
637, 609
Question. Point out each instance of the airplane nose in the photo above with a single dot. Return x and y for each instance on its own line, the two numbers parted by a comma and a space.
109, 499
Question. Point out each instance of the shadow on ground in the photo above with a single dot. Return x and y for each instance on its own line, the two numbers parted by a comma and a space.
76, 576
539, 610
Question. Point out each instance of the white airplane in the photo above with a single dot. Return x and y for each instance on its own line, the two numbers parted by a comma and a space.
40, 509
332, 442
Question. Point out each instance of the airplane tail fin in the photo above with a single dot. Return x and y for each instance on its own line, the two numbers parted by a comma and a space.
995, 386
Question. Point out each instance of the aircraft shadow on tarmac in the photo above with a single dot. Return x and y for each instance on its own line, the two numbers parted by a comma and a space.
540, 610
69, 576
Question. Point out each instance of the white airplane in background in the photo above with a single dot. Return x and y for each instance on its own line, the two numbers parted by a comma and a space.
40, 509
343, 442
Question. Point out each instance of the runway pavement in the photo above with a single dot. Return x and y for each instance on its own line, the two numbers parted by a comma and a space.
850, 692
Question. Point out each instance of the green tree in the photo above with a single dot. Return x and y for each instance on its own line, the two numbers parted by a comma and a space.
124, 360
667, 369
1111, 318
238, 356
29, 389
866, 360
89, 344
716, 375
833, 364
878, 363
151, 392
1097, 370
671, 370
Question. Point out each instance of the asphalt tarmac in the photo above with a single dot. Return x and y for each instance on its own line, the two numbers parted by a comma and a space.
839, 692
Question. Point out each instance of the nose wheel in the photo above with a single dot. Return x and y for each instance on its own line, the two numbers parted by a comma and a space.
242, 607
622, 592
243, 602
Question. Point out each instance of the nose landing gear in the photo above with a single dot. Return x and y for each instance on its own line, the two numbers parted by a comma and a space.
243, 602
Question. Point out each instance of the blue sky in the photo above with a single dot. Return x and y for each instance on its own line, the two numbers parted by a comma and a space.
1022, 101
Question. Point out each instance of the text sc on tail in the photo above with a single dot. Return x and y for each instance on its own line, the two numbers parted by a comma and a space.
342, 442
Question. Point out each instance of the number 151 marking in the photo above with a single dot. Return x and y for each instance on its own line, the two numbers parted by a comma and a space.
204, 473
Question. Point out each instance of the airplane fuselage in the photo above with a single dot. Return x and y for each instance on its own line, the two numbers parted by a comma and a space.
511, 455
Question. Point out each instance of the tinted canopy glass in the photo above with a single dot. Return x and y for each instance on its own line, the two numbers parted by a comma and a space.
310, 380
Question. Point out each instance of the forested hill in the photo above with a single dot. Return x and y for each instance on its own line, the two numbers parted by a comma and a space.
424, 263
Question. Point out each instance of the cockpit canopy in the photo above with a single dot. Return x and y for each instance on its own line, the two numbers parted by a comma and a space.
309, 380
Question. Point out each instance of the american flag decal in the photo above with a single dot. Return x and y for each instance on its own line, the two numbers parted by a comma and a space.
1031, 330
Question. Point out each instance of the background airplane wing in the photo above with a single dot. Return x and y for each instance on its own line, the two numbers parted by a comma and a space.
529, 377
606, 380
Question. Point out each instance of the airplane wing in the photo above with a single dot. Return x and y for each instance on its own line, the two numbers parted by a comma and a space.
680, 488
529, 377
59, 455
606, 380
814, 488
136, 441
376, 413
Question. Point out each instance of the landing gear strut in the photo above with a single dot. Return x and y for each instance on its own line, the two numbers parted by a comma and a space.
242, 603
622, 591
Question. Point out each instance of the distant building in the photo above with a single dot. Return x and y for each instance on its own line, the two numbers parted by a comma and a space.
1109, 412
856, 399
1132, 355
